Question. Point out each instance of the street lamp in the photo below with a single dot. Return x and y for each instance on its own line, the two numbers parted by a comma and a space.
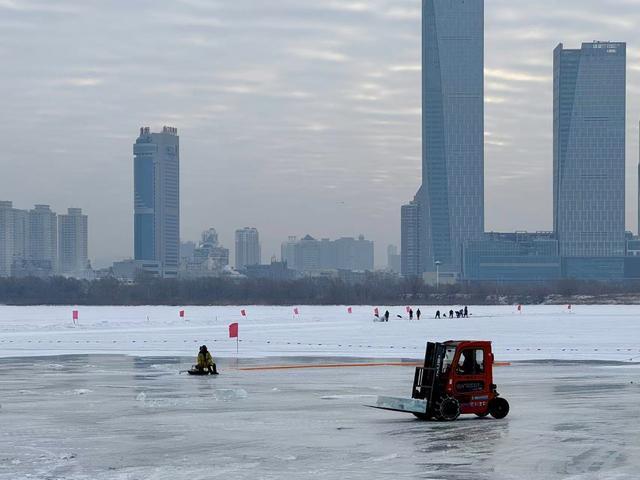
438, 263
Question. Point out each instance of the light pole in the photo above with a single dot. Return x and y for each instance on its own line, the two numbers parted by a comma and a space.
438, 263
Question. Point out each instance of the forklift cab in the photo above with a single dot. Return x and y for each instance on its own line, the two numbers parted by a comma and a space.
468, 374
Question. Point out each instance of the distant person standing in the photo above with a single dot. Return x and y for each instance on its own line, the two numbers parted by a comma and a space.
418, 314
386, 316
466, 312
450, 313
411, 314
437, 314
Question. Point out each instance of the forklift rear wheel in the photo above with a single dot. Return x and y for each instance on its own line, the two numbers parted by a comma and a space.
448, 409
498, 408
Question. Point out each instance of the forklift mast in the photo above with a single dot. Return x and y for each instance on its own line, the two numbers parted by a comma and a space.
426, 379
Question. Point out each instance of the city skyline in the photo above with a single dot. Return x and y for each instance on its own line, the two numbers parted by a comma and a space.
312, 172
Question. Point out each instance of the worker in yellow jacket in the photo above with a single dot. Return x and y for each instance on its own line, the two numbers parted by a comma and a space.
205, 361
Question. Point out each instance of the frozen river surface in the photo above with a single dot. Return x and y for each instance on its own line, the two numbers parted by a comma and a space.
131, 418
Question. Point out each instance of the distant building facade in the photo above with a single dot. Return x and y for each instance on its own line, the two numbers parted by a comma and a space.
43, 237
274, 271
73, 230
452, 196
248, 250
393, 259
288, 252
207, 259
40, 243
157, 201
513, 257
589, 95
311, 256
6, 238
411, 239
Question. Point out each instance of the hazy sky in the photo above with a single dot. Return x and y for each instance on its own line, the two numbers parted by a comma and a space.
295, 116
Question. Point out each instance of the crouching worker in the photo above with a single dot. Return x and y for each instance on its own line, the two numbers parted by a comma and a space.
205, 361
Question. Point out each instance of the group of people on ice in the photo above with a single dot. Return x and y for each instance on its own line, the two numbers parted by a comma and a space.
386, 315
462, 313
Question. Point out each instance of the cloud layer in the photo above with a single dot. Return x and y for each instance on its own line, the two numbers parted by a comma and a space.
294, 116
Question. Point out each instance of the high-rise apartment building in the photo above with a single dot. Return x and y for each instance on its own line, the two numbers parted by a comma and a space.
43, 237
73, 229
6, 238
247, 247
311, 256
393, 259
157, 201
411, 236
452, 130
288, 252
589, 90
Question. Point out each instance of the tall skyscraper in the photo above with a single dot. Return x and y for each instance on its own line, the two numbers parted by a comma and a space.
589, 90
43, 237
73, 229
157, 201
247, 247
452, 206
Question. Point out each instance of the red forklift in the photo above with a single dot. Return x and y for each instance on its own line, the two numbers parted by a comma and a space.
457, 378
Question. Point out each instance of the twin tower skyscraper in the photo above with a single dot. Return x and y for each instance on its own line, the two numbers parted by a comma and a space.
588, 155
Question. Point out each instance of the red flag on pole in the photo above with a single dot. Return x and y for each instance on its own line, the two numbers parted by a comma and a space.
233, 330
376, 312
408, 308
243, 312
75, 316
349, 310
296, 311
181, 313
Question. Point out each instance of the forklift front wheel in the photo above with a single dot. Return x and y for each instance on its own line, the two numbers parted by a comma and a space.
448, 409
498, 408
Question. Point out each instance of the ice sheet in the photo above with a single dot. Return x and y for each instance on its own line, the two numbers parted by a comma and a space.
539, 332
130, 418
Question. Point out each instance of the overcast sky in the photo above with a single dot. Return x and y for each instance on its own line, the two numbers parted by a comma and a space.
294, 116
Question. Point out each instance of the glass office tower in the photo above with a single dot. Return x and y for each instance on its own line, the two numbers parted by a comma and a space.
589, 149
452, 203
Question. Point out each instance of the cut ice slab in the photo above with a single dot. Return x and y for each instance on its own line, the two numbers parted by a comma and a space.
396, 404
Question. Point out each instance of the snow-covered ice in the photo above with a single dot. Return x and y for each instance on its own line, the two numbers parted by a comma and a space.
539, 332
